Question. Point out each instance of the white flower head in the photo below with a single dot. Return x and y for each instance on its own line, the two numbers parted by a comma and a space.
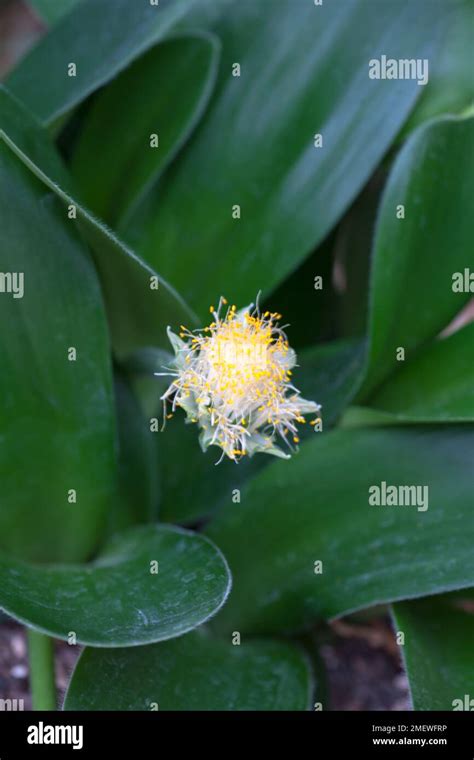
233, 379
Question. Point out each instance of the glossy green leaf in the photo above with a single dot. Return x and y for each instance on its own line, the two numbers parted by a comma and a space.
137, 311
194, 672
140, 367
138, 314
437, 385
363, 416
309, 311
101, 40
304, 70
165, 93
57, 456
328, 374
138, 490
52, 10
194, 486
415, 258
315, 508
120, 599
352, 254
450, 87
437, 650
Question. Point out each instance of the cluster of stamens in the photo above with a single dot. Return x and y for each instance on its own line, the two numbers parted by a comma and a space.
234, 379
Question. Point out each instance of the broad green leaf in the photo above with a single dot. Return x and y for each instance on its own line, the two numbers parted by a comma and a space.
101, 38
363, 416
437, 650
315, 508
415, 257
303, 71
437, 385
194, 486
194, 672
164, 93
138, 491
140, 368
57, 456
52, 10
353, 248
137, 313
450, 87
328, 374
123, 598
308, 305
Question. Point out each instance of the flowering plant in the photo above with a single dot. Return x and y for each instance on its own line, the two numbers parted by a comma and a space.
236, 383
154, 156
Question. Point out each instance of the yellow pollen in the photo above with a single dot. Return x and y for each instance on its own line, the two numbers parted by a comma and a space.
234, 380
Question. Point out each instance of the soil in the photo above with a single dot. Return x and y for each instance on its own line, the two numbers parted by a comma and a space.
14, 664
364, 667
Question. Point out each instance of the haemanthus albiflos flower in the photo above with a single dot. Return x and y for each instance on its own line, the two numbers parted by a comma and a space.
233, 379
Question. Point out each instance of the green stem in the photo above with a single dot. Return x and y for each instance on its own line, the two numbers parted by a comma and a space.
41, 658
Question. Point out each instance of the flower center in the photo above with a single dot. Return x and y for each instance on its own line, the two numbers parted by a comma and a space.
233, 378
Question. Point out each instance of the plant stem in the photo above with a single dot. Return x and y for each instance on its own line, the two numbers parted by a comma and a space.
41, 658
